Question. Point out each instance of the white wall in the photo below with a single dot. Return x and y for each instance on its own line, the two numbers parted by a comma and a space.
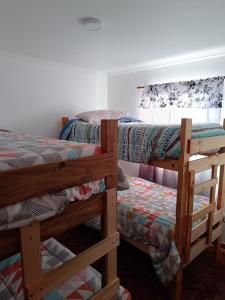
34, 94
122, 91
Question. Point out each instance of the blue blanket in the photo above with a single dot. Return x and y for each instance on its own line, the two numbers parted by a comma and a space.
139, 142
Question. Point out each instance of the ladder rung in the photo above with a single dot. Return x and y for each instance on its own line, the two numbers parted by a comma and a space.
206, 185
201, 213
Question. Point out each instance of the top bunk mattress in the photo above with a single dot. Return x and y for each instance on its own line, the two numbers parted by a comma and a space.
140, 142
23, 150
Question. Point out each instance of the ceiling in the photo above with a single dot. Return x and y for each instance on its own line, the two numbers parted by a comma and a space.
135, 32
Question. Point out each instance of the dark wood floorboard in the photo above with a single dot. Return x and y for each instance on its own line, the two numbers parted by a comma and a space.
203, 278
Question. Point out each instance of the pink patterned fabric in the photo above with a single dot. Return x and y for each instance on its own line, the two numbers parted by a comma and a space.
147, 212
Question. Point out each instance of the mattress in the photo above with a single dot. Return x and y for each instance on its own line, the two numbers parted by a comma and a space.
140, 143
23, 150
147, 212
81, 286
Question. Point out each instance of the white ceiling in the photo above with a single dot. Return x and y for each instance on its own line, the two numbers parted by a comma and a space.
134, 32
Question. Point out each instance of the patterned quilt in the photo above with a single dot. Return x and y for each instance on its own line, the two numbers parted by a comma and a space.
22, 150
139, 142
147, 212
80, 287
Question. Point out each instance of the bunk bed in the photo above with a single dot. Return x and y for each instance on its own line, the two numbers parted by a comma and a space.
194, 229
64, 168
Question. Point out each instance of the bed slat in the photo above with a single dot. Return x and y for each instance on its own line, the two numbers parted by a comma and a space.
202, 145
57, 276
38, 180
206, 185
74, 214
169, 164
197, 248
206, 163
217, 232
201, 228
203, 212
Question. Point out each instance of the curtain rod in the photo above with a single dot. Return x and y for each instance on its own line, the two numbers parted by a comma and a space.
142, 86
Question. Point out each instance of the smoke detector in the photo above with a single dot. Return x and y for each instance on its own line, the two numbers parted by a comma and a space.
91, 23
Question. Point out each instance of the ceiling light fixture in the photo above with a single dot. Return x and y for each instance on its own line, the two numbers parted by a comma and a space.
90, 23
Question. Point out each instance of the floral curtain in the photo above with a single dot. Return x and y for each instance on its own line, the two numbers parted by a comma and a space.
203, 93
200, 100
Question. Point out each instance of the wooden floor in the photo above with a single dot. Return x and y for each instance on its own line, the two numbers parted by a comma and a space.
203, 279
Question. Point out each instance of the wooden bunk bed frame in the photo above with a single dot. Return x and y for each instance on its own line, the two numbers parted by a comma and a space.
22, 184
191, 241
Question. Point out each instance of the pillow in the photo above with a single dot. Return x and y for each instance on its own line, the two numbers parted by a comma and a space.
122, 182
129, 120
95, 116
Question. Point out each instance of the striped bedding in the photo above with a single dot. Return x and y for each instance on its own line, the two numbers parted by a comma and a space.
22, 150
138, 142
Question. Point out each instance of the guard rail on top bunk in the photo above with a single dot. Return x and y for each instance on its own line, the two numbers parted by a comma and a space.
25, 183
191, 241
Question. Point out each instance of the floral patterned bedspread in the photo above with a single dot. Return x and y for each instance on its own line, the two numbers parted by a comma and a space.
22, 150
147, 212
81, 286
139, 142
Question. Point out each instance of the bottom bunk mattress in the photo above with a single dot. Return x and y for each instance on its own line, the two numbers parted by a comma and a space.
147, 212
80, 287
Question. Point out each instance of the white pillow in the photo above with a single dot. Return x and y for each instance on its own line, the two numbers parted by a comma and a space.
95, 116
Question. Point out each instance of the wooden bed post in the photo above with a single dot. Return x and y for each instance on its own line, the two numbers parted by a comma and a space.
190, 195
110, 129
181, 207
31, 256
64, 120
220, 202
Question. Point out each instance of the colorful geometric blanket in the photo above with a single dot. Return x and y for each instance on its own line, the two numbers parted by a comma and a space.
22, 150
147, 212
81, 286
139, 142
